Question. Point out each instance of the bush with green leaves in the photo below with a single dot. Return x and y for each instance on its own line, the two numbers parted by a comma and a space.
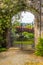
28, 35
39, 47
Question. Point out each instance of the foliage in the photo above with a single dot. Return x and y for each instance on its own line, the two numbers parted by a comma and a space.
8, 8
28, 35
29, 26
39, 47
24, 36
2, 49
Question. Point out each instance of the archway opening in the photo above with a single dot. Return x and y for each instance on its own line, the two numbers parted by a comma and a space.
23, 30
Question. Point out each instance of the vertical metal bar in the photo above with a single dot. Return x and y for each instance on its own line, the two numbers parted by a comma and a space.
40, 18
21, 32
21, 35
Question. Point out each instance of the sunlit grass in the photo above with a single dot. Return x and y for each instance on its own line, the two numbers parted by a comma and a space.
24, 42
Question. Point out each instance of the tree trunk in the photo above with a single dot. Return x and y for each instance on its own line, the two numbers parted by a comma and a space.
8, 39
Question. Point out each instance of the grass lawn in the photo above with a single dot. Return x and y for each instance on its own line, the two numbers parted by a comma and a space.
24, 42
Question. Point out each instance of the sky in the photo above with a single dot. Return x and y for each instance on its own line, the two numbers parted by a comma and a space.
26, 17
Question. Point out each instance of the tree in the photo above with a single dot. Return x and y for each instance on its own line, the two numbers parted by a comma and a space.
8, 8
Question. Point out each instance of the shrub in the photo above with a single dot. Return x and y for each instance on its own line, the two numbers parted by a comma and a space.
39, 47
3, 49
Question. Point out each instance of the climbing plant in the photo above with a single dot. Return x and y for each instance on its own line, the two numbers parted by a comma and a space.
8, 8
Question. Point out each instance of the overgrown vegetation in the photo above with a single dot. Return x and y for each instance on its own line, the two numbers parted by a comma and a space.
39, 47
8, 8
3, 49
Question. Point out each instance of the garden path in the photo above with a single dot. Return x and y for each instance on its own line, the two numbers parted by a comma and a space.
15, 56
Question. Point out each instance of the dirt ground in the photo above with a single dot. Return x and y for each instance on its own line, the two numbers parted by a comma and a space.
15, 56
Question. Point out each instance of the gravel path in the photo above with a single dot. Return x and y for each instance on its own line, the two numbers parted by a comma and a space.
18, 57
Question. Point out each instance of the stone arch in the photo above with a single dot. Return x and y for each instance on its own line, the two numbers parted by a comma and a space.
36, 12
36, 23
22, 5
